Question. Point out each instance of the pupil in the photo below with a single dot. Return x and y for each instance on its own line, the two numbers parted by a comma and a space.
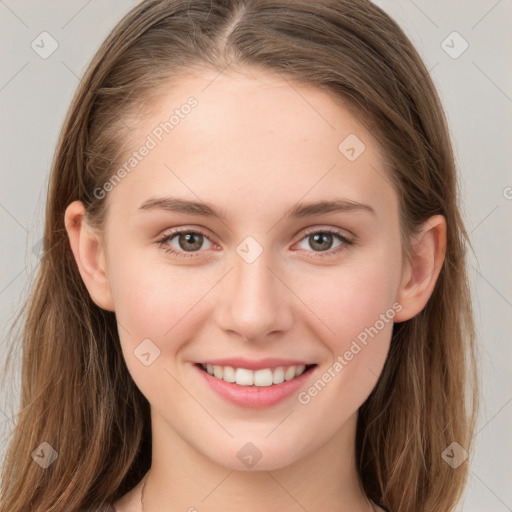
189, 239
317, 240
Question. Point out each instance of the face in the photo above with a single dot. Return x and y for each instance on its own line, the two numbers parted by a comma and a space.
257, 280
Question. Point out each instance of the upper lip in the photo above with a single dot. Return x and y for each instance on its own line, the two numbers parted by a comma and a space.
252, 364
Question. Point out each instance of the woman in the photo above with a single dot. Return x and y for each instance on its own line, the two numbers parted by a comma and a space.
253, 290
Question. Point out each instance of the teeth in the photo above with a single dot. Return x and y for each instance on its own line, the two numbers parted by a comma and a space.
259, 378
243, 377
263, 377
278, 375
218, 372
229, 374
289, 373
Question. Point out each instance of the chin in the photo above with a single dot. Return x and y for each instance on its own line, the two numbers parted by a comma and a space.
256, 455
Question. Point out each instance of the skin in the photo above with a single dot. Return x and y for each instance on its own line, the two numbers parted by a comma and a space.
255, 145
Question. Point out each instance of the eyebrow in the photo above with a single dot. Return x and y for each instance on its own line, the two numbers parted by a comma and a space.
299, 210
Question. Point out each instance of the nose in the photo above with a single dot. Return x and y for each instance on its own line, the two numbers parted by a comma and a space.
255, 301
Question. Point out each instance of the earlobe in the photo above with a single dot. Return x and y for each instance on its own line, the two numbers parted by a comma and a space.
89, 253
420, 273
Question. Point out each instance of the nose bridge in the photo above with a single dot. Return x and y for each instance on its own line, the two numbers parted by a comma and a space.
256, 302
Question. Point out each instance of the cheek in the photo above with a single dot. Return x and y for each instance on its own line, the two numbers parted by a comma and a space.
357, 306
155, 301
360, 312
353, 297
157, 310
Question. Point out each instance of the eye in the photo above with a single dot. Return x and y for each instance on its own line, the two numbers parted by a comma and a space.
321, 242
185, 243
179, 243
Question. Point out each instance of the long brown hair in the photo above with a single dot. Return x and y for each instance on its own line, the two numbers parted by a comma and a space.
77, 394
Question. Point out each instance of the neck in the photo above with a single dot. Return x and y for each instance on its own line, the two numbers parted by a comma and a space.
181, 478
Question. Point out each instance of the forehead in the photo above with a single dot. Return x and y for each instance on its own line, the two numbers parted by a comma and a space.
256, 137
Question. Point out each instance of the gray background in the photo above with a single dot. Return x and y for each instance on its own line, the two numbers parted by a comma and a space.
475, 87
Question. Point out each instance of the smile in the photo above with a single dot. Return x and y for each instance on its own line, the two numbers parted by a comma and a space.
251, 383
264, 377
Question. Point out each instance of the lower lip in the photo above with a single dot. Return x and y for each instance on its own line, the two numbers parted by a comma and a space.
255, 397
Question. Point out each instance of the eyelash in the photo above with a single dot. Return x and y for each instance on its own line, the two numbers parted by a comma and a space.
316, 254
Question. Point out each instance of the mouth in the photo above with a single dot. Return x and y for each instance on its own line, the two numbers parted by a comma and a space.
261, 378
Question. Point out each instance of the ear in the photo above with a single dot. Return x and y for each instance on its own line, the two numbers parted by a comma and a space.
89, 253
421, 270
